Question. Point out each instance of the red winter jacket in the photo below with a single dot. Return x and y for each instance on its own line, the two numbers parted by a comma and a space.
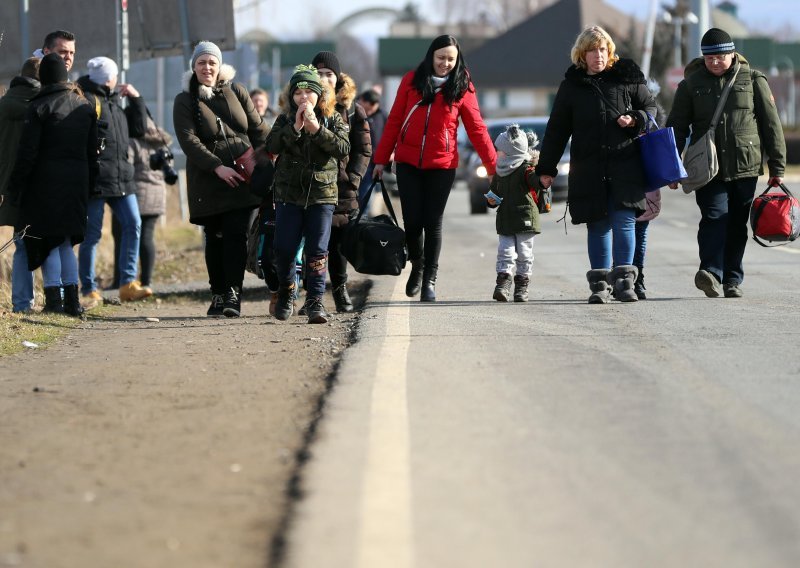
428, 140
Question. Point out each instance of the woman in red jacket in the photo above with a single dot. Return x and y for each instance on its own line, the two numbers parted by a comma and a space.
421, 132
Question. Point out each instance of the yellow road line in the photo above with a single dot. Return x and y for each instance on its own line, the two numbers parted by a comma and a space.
385, 538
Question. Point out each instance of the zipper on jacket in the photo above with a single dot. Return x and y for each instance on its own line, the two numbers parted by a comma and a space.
424, 134
446, 140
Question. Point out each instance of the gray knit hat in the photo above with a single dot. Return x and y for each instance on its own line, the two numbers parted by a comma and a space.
102, 70
206, 47
513, 142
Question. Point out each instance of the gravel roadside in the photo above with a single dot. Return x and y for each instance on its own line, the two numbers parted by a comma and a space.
137, 443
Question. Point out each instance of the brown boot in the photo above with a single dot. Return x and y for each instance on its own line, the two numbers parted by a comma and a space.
133, 291
502, 291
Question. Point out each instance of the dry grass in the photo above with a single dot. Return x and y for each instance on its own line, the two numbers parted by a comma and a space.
179, 259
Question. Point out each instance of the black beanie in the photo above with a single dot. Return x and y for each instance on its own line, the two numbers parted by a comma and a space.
328, 60
52, 69
716, 42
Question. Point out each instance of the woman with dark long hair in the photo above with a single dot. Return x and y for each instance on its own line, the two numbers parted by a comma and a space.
421, 135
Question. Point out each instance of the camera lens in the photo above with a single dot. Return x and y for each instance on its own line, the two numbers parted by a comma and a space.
170, 175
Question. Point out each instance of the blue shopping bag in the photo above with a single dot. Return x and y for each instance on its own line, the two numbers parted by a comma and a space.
662, 164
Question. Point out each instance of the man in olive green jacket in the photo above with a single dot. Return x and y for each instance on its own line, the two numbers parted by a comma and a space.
749, 125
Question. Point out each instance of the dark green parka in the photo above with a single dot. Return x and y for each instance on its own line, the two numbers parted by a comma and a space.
748, 125
308, 164
604, 158
195, 119
518, 212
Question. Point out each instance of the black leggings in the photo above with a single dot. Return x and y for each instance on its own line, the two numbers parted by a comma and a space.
226, 249
423, 197
337, 263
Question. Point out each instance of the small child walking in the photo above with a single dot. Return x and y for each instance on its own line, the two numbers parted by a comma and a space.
514, 191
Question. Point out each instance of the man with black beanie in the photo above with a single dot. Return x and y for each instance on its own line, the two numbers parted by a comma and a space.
749, 125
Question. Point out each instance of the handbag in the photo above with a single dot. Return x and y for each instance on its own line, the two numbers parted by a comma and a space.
246, 162
700, 159
660, 159
375, 245
775, 217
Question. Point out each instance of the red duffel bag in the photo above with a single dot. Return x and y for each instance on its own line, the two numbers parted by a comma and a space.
775, 217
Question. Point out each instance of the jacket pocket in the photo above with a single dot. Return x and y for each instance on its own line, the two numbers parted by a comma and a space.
748, 154
742, 96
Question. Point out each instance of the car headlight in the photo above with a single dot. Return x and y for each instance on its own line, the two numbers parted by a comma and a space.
563, 169
480, 171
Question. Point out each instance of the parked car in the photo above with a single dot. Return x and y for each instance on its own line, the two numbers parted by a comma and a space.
475, 173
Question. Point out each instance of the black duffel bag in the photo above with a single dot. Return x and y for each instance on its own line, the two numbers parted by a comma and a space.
375, 245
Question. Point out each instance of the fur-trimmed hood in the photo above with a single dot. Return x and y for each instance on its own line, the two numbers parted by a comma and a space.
225, 77
623, 71
347, 91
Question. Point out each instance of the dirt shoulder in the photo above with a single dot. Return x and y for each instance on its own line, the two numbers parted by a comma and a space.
141, 444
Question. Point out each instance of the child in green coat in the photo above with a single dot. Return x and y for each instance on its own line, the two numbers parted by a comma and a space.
515, 191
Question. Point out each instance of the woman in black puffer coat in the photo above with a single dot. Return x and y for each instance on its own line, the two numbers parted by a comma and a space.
602, 104
54, 173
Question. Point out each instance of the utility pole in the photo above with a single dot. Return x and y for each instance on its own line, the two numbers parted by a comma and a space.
123, 42
648, 38
701, 10
25, 43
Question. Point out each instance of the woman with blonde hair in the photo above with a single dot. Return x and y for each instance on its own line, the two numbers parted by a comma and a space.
602, 103
216, 122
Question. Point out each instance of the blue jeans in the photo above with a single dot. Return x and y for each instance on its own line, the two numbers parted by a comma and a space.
21, 279
126, 210
641, 244
293, 224
621, 224
60, 268
722, 235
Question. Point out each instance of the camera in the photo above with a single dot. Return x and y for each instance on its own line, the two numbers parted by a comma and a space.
162, 159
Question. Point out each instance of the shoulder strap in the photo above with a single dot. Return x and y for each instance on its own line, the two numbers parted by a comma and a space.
97, 108
363, 206
723, 97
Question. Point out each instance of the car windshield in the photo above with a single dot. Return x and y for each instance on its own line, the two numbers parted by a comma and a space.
495, 128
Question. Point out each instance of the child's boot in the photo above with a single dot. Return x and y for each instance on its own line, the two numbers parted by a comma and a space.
521, 288
502, 292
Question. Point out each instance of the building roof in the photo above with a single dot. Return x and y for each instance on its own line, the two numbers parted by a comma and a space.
535, 53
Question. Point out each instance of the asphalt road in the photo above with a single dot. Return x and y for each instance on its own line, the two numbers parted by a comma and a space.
470, 433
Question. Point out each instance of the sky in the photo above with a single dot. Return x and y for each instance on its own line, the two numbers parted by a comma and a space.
283, 20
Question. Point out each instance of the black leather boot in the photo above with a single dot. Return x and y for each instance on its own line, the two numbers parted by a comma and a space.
428, 290
344, 305
502, 290
415, 278
638, 286
521, 288
72, 302
53, 304
285, 306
